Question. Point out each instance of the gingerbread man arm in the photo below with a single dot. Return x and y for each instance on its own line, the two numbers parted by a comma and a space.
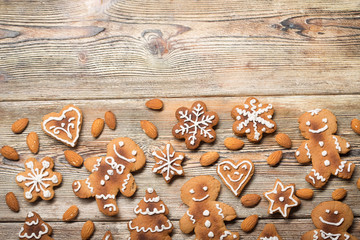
127, 186
303, 153
91, 163
227, 212
350, 237
341, 144
313, 234
187, 224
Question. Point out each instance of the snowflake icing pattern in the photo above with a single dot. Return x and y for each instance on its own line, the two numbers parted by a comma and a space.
168, 162
195, 125
38, 177
253, 119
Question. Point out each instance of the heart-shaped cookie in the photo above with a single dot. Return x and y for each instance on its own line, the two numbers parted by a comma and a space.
64, 126
235, 175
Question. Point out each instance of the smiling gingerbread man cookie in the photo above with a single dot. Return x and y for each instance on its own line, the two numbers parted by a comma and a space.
323, 148
332, 219
206, 216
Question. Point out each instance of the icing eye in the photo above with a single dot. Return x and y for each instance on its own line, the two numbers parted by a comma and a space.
308, 123
336, 212
205, 188
327, 211
192, 191
226, 168
324, 120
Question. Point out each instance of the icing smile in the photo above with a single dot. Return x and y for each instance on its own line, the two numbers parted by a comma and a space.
235, 180
320, 130
331, 223
202, 199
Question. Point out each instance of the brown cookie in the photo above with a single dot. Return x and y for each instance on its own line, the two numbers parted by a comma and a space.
111, 174
269, 233
282, 198
35, 228
38, 179
322, 148
206, 216
332, 219
64, 126
151, 221
236, 175
168, 162
253, 119
195, 125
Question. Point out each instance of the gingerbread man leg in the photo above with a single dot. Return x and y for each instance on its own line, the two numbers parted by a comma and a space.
317, 178
107, 203
345, 170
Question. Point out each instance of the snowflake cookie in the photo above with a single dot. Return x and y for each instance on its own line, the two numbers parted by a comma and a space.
195, 125
111, 174
253, 119
206, 216
64, 126
35, 228
38, 179
282, 198
269, 233
168, 162
151, 221
323, 148
332, 220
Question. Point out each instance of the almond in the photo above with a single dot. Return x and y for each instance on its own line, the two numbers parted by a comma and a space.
250, 200
358, 183
97, 127
209, 158
249, 223
108, 236
87, 230
149, 128
71, 213
73, 158
9, 153
274, 158
110, 120
20, 125
12, 202
283, 140
154, 104
232, 143
32, 141
339, 194
355, 125
305, 193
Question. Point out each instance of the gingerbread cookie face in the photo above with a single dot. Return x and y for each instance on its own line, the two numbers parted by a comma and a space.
205, 216
111, 174
282, 198
269, 233
168, 162
253, 119
195, 125
35, 228
151, 221
236, 175
64, 126
323, 148
38, 179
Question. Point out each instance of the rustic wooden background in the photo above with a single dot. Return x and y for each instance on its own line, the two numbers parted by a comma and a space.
116, 54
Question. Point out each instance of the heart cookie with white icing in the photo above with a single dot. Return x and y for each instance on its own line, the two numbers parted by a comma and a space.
236, 175
64, 126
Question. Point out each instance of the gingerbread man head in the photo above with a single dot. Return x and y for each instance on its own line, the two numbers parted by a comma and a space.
332, 216
200, 189
318, 121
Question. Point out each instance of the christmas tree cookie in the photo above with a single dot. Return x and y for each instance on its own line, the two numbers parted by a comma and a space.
35, 228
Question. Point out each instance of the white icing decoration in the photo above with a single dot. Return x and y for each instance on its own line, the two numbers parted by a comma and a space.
346, 236
134, 152
110, 172
106, 177
286, 206
348, 145
111, 207
121, 156
118, 167
337, 145
30, 214
205, 188
206, 213
201, 199
281, 199
336, 212
36, 222
315, 112
225, 234
327, 211
126, 182
349, 167
88, 185
210, 234
246, 106
321, 143
121, 143
107, 237
327, 163
325, 120
317, 175
254, 117
79, 186
308, 123
320, 130
324, 153
332, 223
307, 151
34, 235
220, 210
331, 236
243, 163
260, 105
207, 224
197, 124
341, 168
156, 229
315, 236
297, 153
269, 238
102, 182
67, 131
247, 130
168, 162
105, 197
192, 191
269, 116
97, 165
191, 217
148, 212
155, 199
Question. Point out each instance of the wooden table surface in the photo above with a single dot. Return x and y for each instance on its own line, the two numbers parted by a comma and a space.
116, 54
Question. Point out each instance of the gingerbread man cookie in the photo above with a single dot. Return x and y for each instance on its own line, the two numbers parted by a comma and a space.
206, 216
35, 228
38, 179
168, 162
195, 125
253, 119
322, 148
111, 174
332, 220
64, 126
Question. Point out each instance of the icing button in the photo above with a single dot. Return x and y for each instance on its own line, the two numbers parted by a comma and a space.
324, 153
211, 234
327, 163
207, 223
206, 213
